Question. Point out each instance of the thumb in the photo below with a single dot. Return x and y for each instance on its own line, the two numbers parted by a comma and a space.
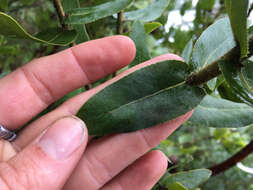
49, 160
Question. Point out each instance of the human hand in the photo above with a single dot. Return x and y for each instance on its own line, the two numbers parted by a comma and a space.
52, 152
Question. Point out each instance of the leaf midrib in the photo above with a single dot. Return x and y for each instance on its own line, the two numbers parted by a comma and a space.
146, 97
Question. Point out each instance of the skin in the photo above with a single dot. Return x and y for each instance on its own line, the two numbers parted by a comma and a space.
120, 161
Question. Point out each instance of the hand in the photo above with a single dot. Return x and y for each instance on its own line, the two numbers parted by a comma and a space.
49, 153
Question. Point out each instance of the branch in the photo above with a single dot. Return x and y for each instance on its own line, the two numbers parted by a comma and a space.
119, 30
231, 162
119, 22
60, 11
212, 70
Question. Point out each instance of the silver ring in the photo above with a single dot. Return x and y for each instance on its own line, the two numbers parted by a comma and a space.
7, 134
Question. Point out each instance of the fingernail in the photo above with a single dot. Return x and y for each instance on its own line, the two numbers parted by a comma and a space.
63, 137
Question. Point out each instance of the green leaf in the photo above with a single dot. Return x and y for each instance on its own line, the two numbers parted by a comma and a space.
151, 26
11, 28
215, 42
150, 13
206, 4
91, 14
226, 93
138, 35
237, 11
4, 5
220, 113
8, 50
186, 55
247, 75
142, 99
190, 179
235, 79
80, 28
176, 186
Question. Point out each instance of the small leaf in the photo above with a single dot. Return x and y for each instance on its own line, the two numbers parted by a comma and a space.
233, 75
11, 28
215, 42
91, 14
190, 179
226, 93
237, 11
138, 35
247, 75
80, 28
151, 26
176, 186
220, 113
149, 96
4, 5
150, 13
186, 55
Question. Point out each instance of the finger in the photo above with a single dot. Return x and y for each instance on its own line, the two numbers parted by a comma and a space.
47, 162
31, 88
73, 105
107, 157
142, 174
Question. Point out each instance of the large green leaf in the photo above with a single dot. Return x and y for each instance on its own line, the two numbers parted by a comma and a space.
237, 11
236, 81
91, 14
190, 179
186, 55
144, 98
150, 13
220, 113
138, 35
215, 42
80, 28
11, 28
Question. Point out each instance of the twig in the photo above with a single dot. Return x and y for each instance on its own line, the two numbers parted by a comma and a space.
212, 70
60, 12
120, 22
119, 30
231, 162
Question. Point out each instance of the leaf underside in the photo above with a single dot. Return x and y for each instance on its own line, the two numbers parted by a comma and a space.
220, 113
149, 96
55, 36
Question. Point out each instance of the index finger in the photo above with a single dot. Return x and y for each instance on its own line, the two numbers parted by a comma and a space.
31, 88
